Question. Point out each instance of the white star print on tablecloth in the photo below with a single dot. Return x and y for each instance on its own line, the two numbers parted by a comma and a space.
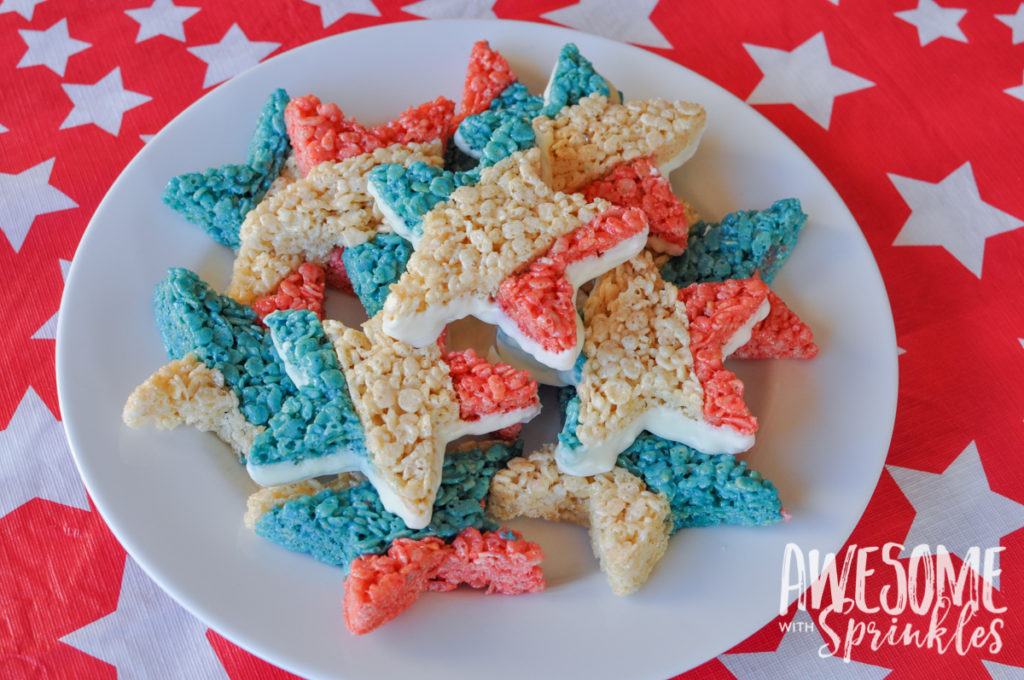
1016, 23
957, 508
25, 8
951, 214
2, 129
50, 48
1017, 92
333, 10
797, 658
934, 22
163, 17
48, 331
103, 103
232, 55
43, 470
149, 635
452, 9
627, 22
26, 195
803, 77
1000, 671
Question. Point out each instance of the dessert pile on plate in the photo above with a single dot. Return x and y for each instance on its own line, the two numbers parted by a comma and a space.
382, 450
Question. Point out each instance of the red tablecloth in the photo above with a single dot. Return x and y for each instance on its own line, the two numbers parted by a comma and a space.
913, 109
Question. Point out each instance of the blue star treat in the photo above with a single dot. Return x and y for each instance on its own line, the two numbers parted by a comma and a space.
218, 199
744, 243
338, 525
373, 266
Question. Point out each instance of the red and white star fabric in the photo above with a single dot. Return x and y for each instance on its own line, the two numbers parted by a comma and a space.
911, 108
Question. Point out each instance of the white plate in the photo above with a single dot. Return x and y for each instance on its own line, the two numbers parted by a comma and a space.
175, 500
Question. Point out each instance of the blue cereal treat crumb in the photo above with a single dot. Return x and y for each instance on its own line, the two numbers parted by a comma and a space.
406, 193
569, 402
572, 79
373, 266
320, 419
504, 128
336, 527
702, 490
218, 199
744, 243
224, 335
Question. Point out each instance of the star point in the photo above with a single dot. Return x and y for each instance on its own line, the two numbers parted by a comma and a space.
934, 21
1016, 92
798, 654
163, 17
804, 77
103, 103
50, 48
950, 213
960, 496
628, 22
25, 8
232, 55
149, 636
31, 194
332, 11
1016, 23
48, 331
49, 472
452, 9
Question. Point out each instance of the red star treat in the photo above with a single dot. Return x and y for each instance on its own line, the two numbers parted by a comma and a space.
781, 335
639, 184
303, 289
487, 75
320, 132
380, 587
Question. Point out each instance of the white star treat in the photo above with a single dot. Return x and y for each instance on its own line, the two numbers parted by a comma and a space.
804, 77
163, 17
653, 362
27, 195
35, 461
50, 48
103, 103
232, 55
934, 21
1017, 92
624, 21
950, 213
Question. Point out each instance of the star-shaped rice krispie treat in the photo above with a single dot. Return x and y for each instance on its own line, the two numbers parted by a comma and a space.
413, 401
310, 217
629, 525
586, 141
744, 243
380, 587
219, 198
652, 360
489, 236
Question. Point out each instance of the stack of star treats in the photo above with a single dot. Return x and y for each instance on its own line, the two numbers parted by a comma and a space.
547, 216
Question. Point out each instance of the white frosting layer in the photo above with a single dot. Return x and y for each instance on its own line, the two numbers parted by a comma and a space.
662, 421
460, 142
391, 218
742, 334
669, 164
511, 353
282, 348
